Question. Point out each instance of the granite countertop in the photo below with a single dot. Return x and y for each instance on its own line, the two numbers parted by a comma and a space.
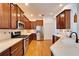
5, 44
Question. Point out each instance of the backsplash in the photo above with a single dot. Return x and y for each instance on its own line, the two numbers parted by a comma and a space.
6, 33
65, 32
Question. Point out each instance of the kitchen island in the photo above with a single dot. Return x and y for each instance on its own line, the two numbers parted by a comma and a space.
65, 46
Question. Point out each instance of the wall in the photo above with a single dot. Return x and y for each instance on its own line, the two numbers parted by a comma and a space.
48, 27
78, 19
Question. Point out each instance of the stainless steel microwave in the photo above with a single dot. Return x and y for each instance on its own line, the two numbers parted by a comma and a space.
20, 25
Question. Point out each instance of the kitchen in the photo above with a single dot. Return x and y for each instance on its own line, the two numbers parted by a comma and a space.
30, 29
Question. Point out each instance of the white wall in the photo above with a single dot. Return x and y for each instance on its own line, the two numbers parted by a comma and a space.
49, 27
78, 19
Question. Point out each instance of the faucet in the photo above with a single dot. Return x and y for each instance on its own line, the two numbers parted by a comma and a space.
76, 36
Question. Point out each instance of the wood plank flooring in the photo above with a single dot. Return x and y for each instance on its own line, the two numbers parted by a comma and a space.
39, 48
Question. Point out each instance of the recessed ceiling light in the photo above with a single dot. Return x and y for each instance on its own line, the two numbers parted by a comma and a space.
31, 15
60, 5
26, 4
40, 15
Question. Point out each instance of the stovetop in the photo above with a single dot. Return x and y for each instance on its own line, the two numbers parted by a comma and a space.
18, 35
22, 36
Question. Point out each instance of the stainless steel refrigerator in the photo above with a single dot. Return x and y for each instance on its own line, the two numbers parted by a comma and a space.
39, 33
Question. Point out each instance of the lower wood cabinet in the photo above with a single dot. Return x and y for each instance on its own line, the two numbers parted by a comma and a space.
5, 53
15, 50
54, 38
32, 37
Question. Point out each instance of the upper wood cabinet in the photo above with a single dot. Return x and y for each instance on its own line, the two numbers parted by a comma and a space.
13, 16
39, 23
63, 20
27, 23
19, 13
16, 14
22, 13
33, 24
4, 15
9, 15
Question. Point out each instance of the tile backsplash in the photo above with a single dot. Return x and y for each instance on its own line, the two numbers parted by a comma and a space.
6, 33
65, 32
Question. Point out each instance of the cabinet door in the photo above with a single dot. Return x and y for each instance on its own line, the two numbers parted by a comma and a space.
28, 24
39, 23
67, 19
22, 15
4, 15
54, 39
5, 53
18, 13
57, 22
13, 16
17, 49
33, 24
62, 21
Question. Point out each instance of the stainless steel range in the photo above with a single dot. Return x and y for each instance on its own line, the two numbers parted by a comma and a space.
25, 37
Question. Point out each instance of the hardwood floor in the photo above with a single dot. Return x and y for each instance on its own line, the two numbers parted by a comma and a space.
39, 48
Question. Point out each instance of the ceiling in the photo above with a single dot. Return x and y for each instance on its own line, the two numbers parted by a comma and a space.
34, 10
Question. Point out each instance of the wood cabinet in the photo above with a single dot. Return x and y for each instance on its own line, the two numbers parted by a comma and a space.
63, 20
33, 24
13, 16
18, 13
10, 14
17, 49
32, 37
39, 23
5, 53
4, 15
22, 14
54, 39
27, 23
